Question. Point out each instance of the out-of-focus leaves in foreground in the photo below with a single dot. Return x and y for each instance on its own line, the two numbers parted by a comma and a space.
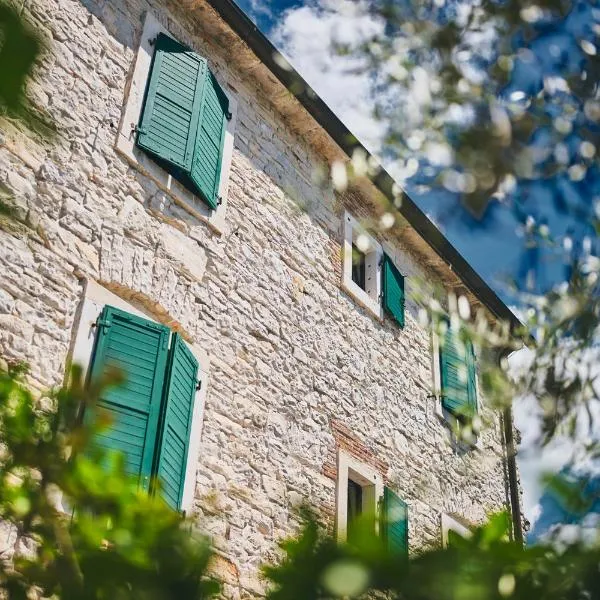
118, 542
20, 47
484, 567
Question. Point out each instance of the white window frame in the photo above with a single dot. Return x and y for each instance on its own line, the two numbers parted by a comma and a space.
126, 135
371, 297
449, 523
437, 384
94, 299
371, 482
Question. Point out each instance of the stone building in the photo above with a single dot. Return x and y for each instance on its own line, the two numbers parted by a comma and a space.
175, 225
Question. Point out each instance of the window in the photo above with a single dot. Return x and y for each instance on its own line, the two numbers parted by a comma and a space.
451, 528
455, 371
183, 118
369, 275
359, 265
178, 124
359, 488
151, 410
360, 495
355, 508
156, 414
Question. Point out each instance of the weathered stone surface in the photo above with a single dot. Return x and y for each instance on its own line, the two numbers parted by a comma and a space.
297, 368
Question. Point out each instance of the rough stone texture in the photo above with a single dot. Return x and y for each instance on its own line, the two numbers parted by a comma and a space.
297, 367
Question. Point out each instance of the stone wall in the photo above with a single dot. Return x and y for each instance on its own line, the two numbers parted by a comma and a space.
298, 369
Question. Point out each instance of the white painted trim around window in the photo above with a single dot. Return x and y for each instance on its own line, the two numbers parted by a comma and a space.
369, 298
449, 523
125, 143
94, 300
368, 478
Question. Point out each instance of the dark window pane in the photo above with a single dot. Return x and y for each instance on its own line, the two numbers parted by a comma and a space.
358, 267
354, 506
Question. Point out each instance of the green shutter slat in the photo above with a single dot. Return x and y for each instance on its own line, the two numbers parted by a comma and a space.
472, 378
208, 152
393, 290
395, 523
176, 421
139, 349
457, 367
169, 120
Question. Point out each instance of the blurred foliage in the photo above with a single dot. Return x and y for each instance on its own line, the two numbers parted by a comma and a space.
20, 48
84, 529
489, 99
486, 566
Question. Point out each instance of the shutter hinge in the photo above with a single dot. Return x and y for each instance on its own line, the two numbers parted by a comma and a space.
152, 41
199, 385
137, 129
104, 323
219, 201
228, 116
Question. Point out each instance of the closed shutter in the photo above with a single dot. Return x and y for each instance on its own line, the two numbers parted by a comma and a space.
178, 406
395, 523
393, 290
208, 152
169, 120
458, 374
139, 349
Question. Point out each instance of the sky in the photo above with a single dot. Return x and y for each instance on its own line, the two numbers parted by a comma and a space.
303, 30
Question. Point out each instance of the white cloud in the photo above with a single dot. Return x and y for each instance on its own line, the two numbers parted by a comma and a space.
306, 36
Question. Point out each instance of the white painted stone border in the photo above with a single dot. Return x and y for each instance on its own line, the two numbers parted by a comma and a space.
366, 476
369, 299
125, 143
94, 299
449, 523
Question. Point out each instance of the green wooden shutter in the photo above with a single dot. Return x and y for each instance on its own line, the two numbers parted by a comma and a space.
472, 378
178, 407
139, 348
457, 367
393, 290
395, 523
208, 152
169, 120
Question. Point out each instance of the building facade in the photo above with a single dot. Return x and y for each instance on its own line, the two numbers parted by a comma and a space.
178, 226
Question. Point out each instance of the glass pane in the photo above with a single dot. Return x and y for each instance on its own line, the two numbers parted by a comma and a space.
354, 506
358, 267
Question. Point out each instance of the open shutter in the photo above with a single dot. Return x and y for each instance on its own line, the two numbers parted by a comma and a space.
395, 523
472, 378
169, 120
457, 373
139, 349
178, 407
208, 152
393, 290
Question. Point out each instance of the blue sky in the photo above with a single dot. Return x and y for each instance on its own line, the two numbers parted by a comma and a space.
302, 30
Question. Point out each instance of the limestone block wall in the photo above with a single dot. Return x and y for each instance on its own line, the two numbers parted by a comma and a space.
297, 368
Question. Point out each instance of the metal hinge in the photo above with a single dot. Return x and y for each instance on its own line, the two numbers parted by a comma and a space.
228, 116
219, 201
104, 323
152, 41
199, 385
137, 129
